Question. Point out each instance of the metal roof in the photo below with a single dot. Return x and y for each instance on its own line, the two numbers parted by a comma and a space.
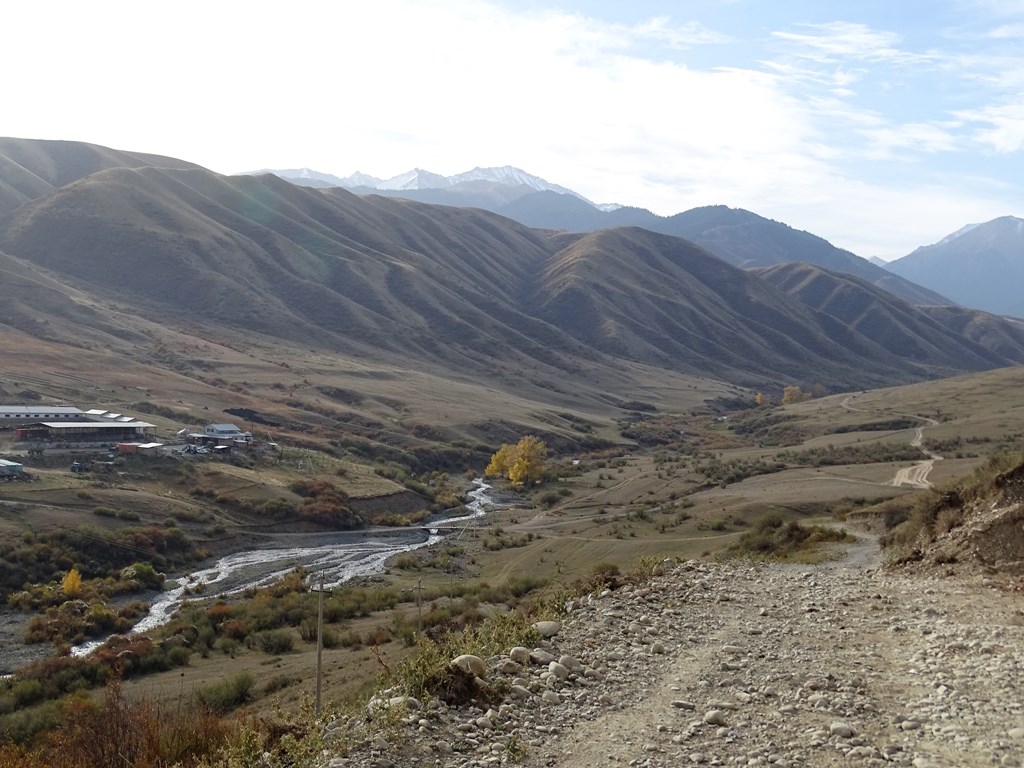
27, 409
93, 424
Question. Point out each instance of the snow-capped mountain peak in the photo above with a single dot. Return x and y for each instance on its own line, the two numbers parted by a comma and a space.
962, 231
418, 179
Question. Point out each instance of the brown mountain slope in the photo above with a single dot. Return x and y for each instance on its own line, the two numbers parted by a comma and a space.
1003, 335
31, 168
455, 290
912, 333
667, 301
263, 255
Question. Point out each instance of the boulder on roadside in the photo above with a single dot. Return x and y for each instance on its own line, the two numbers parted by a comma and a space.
547, 629
467, 662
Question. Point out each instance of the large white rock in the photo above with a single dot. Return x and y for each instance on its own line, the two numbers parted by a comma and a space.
547, 628
842, 730
540, 656
715, 717
467, 662
558, 670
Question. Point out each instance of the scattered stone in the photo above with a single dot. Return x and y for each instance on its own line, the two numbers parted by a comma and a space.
842, 730
547, 629
714, 717
541, 657
472, 664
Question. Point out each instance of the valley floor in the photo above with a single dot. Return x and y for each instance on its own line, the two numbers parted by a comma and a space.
737, 664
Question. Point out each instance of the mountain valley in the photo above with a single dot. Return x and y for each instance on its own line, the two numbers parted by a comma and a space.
709, 385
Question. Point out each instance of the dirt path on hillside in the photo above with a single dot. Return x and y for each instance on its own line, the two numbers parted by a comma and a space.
915, 476
728, 664
834, 665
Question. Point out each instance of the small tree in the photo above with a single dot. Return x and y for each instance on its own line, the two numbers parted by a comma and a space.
793, 394
72, 584
501, 461
528, 468
522, 463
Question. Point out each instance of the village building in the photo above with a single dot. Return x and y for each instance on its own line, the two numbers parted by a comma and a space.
68, 424
11, 415
10, 468
83, 431
221, 435
145, 449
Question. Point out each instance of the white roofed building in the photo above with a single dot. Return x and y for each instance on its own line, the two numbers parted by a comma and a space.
24, 414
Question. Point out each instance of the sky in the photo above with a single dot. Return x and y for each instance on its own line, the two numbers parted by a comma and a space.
878, 125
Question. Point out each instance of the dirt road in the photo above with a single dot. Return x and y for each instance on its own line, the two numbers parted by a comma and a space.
915, 476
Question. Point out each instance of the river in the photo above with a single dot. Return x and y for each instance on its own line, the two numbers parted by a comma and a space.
338, 556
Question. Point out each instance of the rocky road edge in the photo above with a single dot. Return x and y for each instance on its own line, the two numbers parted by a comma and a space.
738, 664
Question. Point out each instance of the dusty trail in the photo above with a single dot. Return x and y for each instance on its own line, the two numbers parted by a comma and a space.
834, 665
915, 476
732, 664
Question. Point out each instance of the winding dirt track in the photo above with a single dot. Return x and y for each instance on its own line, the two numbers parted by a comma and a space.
916, 476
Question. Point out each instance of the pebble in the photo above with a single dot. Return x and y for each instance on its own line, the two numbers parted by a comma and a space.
714, 717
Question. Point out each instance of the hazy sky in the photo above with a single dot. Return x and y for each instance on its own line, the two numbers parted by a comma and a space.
879, 125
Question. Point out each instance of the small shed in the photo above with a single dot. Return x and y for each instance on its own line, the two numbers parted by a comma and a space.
8, 468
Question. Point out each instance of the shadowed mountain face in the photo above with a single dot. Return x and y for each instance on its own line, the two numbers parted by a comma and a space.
740, 237
429, 287
980, 266
950, 337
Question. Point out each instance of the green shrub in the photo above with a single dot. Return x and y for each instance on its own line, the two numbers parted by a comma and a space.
279, 682
225, 695
274, 642
26, 692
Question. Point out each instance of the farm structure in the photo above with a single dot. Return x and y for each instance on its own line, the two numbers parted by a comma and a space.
83, 431
8, 468
11, 415
221, 435
145, 449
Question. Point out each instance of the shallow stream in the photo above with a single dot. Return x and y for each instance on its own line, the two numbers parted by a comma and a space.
339, 556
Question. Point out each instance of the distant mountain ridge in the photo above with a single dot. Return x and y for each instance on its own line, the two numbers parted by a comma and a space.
980, 265
738, 236
419, 179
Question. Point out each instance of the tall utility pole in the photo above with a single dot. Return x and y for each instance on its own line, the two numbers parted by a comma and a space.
419, 607
319, 641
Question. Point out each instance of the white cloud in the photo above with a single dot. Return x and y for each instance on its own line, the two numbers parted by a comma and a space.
1007, 31
1005, 131
836, 41
678, 35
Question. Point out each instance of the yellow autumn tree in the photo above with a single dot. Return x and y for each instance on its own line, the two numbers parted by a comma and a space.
501, 461
72, 584
522, 463
793, 394
762, 399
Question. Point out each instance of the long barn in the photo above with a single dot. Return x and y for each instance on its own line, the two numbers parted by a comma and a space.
83, 431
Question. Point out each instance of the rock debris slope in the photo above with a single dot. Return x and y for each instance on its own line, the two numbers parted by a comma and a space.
738, 664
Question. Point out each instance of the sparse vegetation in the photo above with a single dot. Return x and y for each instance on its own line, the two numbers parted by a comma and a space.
775, 538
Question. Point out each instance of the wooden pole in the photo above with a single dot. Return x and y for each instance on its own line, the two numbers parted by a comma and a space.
319, 641
419, 607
